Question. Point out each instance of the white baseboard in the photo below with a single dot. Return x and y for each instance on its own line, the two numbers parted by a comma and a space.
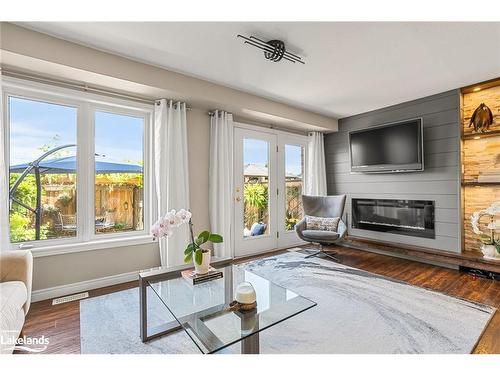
82, 286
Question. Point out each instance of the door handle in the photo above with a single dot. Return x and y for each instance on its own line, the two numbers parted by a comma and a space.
238, 199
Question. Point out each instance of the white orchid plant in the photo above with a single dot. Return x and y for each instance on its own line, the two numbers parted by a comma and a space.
490, 213
165, 225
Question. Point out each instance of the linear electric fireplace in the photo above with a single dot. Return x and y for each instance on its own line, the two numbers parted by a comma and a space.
406, 217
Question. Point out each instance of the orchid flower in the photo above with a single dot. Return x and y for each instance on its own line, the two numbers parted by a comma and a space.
164, 226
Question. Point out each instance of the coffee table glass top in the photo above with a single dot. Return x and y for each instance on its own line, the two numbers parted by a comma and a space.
202, 310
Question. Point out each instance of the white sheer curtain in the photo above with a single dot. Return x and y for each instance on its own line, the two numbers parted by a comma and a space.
4, 193
171, 173
220, 204
315, 169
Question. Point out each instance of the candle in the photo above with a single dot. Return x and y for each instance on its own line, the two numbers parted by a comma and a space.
245, 293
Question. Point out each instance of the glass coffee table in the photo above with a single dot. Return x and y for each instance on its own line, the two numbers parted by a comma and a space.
203, 310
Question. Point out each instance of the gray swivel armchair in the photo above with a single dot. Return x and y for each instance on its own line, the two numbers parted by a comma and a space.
322, 206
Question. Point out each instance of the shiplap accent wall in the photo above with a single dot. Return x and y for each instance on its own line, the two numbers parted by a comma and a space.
440, 181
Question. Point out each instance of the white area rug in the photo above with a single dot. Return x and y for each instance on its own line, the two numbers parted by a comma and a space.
357, 312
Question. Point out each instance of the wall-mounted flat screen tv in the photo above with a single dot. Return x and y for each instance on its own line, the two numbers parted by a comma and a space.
389, 148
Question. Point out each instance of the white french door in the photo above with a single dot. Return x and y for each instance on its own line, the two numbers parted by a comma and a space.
268, 182
255, 187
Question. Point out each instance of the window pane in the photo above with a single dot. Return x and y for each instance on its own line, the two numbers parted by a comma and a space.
43, 203
255, 190
119, 178
294, 162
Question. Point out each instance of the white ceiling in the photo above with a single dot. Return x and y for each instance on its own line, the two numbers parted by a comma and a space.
350, 67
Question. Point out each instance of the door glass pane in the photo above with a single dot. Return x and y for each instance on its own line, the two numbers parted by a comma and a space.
294, 162
119, 177
255, 190
43, 201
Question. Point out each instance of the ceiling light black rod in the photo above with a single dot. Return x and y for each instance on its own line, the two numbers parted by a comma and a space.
263, 45
268, 50
286, 52
274, 50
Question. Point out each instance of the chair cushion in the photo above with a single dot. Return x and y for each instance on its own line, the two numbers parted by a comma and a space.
258, 229
11, 323
13, 294
320, 235
322, 223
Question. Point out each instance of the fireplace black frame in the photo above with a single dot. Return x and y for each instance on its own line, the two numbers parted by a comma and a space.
426, 231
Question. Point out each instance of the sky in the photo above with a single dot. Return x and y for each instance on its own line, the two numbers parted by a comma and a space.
293, 160
255, 151
119, 137
36, 124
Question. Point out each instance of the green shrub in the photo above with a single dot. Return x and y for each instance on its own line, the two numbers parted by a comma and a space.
21, 230
256, 195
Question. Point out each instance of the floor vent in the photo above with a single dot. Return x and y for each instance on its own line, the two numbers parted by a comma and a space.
474, 272
73, 297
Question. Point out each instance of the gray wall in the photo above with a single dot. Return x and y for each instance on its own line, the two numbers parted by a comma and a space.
439, 181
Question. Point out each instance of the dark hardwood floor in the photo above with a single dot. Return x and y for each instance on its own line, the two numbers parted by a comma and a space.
61, 323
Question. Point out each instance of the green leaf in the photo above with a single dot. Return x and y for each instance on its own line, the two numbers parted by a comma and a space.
203, 237
189, 249
198, 256
497, 246
188, 257
215, 238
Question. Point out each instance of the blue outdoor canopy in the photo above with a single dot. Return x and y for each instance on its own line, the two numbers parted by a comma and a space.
68, 165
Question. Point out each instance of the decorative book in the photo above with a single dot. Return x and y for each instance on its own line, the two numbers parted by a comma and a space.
193, 278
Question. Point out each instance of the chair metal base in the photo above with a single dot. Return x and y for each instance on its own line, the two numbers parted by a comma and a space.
320, 252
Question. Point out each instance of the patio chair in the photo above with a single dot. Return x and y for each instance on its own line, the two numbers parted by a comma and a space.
105, 222
68, 222
325, 207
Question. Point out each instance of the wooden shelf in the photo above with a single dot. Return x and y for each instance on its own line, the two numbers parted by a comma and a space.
482, 85
477, 136
475, 183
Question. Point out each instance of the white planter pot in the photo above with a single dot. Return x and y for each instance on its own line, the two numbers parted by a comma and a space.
205, 264
490, 252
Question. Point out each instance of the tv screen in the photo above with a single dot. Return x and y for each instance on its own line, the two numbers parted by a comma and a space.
388, 148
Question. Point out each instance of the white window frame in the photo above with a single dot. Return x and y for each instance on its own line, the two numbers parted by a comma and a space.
86, 104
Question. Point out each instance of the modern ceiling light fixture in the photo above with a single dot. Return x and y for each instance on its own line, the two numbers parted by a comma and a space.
274, 50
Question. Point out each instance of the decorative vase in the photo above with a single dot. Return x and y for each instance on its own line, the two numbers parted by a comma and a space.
203, 268
490, 252
245, 293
